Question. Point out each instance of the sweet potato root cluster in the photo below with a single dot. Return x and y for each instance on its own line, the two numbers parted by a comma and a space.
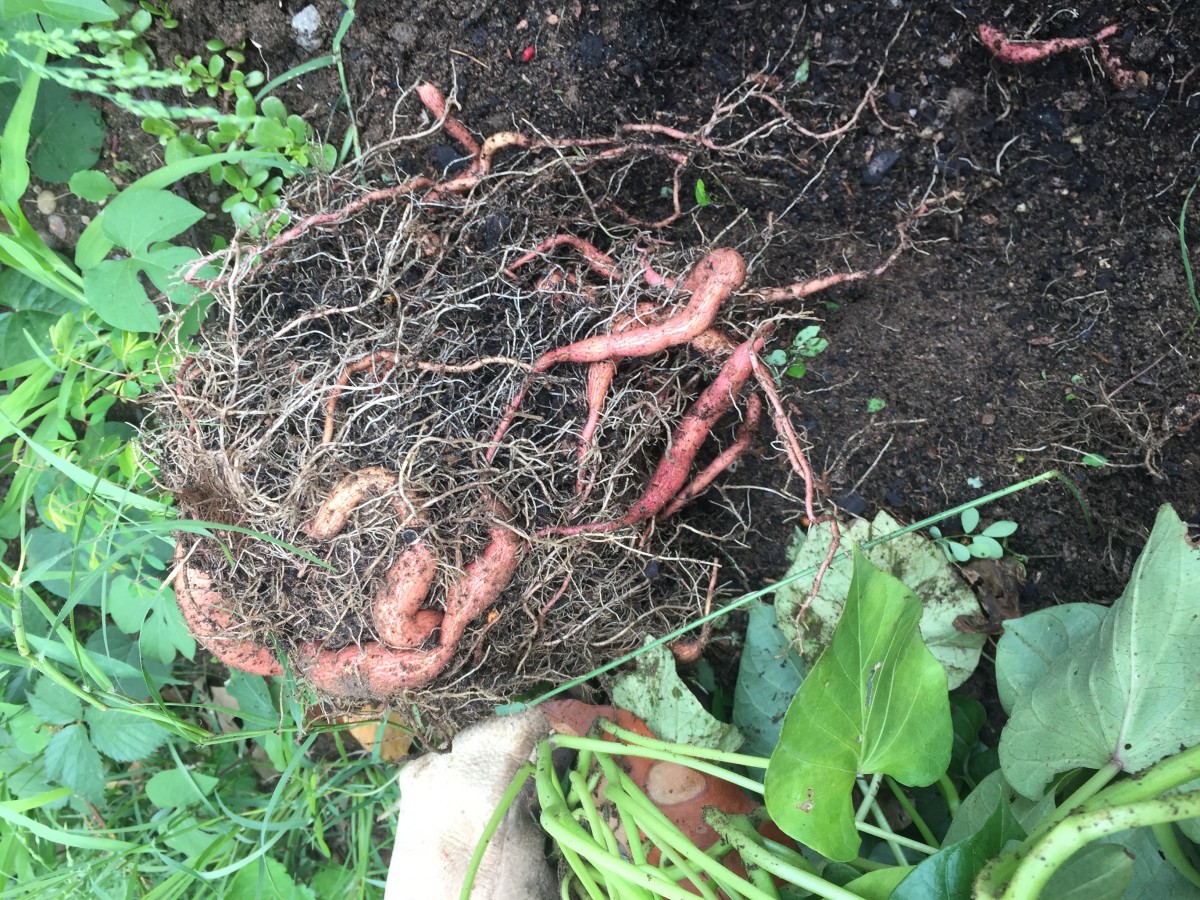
447, 433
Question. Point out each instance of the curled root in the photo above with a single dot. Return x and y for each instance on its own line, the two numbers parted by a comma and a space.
345, 497
397, 614
710, 282
672, 472
398, 661
210, 622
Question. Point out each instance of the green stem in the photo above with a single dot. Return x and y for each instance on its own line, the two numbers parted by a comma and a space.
666, 834
884, 834
754, 854
1159, 778
1078, 830
608, 748
599, 828
682, 750
906, 805
950, 792
1168, 840
1082, 794
870, 806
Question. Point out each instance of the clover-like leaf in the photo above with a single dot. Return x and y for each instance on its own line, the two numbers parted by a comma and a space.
875, 702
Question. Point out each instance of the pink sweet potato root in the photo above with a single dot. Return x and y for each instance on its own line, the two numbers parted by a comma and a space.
1022, 53
374, 669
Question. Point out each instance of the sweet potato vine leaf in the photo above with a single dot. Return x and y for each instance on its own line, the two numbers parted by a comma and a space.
915, 560
1128, 693
875, 702
768, 677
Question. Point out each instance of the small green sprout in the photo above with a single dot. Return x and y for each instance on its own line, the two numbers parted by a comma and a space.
876, 404
987, 544
806, 345
703, 198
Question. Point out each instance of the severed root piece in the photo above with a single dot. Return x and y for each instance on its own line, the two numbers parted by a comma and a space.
1019, 53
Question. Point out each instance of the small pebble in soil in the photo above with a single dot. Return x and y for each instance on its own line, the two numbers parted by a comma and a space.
851, 503
404, 35
305, 24
873, 172
449, 160
57, 226
47, 201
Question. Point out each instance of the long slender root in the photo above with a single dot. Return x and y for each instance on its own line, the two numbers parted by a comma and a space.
672, 472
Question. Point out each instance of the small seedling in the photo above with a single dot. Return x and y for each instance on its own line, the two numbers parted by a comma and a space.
987, 544
703, 198
806, 345
876, 404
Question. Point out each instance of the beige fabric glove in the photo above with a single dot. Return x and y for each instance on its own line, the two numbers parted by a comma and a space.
446, 800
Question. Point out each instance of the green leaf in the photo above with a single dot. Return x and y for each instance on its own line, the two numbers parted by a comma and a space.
801, 75
1097, 872
768, 677
23, 333
1095, 460
14, 142
164, 634
266, 878
124, 736
54, 704
656, 693
970, 520
63, 10
876, 404
951, 871
255, 702
1001, 529
135, 219
129, 602
66, 134
967, 717
702, 196
912, 558
985, 548
875, 702
878, 885
270, 134
1031, 643
72, 760
180, 789
1129, 693
93, 186
113, 290
134, 672
796, 370
979, 805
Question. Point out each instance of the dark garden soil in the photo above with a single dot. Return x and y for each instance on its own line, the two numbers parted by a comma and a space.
1044, 315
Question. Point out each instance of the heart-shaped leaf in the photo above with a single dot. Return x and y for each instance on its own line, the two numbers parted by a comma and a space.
875, 701
1129, 693
913, 559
